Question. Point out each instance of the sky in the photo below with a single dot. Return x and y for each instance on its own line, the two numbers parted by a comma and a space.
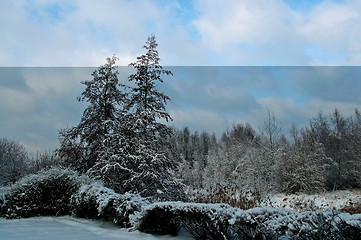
232, 60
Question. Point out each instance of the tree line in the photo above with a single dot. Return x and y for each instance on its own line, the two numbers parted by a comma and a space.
323, 156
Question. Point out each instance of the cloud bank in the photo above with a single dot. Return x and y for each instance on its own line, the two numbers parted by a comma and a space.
37, 102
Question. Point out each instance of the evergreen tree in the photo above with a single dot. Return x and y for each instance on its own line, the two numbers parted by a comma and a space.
132, 158
80, 145
146, 104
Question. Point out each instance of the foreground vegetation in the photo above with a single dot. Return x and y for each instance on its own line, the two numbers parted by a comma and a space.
59, 191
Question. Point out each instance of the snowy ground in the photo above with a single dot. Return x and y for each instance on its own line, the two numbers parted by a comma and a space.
59, 228
316, 202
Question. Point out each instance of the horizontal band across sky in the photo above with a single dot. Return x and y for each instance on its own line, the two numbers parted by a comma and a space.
189, 32
36, 102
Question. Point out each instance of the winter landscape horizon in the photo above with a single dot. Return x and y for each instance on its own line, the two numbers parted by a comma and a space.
153, 119
123, 162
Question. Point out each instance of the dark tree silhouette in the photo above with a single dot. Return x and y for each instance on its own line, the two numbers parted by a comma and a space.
80, 145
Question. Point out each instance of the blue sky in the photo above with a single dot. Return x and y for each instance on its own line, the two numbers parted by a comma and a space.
193, 35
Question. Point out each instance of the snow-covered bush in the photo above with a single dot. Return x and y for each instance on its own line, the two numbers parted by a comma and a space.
96, 201
45, 193
208, 221
277, 222
60, 191
2, 199
127, 206
159, 219
92, 200
220, 221
202, 221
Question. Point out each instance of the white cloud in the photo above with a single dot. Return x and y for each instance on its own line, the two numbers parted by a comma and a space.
84, 35
14, 101
198, 120
330, 23
234, 22
251, 32
315, 106
334, 28
220, 32
47, 82
277, 106
271, 33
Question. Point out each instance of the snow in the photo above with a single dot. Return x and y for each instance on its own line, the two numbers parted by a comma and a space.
315, 202
59, 228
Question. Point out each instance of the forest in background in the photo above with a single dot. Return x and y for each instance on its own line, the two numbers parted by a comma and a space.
324, 156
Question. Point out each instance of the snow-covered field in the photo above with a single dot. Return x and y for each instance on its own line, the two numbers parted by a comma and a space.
317, 202
59, 228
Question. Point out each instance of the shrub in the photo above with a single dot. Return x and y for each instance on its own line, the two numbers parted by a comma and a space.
60, 191
126, 207
202, 221
220, 221
273, 223
45, 193
205, 222
159, 220
91, 200
2, 200
96, 201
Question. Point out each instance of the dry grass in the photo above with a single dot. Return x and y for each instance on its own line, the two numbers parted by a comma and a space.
352, 209
225, 194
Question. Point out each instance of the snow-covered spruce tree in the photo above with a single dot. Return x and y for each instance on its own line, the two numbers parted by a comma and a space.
146, 104
80, 145
134, 153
